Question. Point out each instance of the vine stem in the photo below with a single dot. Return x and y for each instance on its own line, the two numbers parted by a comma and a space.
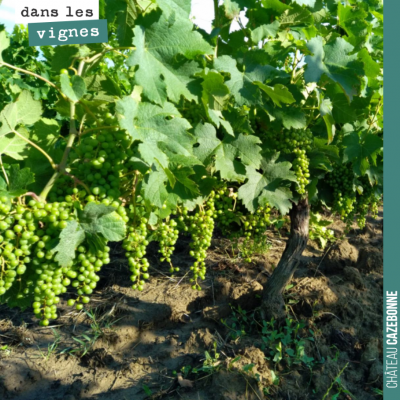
31, 194
35, 75
78, 181
376, 113
4, 171
73, 134
216, 19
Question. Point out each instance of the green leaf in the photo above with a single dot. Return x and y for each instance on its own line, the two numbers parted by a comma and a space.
217, 118
359, 148
154, 188
330, 126
334, 60
126, 22
372, 68
232, 154
13, 146
63, 56
158, 45
4, 43
241, 84
29, 110
160, 129
296, 16
270, 186
70, 238
291, 117
75, 88
20, 178
308, 3
8, 119
46, 134
215, 92
112, 227
10, 144
181, 8
354, 21
265, 31
325, 108
278, 94
101, 219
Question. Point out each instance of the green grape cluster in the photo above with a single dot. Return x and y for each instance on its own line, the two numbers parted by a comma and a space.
201, 227
135, 245
236, 222
190, 111
17, 236
348, 202
99, 160
341, 181
28, 260
167, 237
296, 142
254, 226
367, 202
227, 211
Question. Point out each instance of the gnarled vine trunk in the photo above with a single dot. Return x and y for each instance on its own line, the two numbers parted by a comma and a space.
272, 302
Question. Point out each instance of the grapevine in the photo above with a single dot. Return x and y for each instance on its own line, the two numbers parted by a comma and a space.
167, 131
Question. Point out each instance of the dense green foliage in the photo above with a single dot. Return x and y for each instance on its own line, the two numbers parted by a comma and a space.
169, 129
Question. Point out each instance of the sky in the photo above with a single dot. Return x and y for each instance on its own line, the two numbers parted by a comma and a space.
202, 12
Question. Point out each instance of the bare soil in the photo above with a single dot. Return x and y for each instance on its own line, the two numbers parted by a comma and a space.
146, 336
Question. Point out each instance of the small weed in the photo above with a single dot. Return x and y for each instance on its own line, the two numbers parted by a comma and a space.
211, 364
147, 390
319, 231
337, 381
377, 391
85, 345
98, 329
51, 347
285, 343
5, 351
239, 323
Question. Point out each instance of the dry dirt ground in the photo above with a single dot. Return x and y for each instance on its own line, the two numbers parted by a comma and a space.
136, 341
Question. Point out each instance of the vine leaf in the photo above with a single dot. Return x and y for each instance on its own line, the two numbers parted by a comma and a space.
278, 94
335, 61
296, 16
353, 21
215, 92
270, 186
325, 108
158, 45
241, 84
19, 180
100, 219
232, 154
265, 31
125, 23
62, 56
154, 188
29, 110
360, 149
70, 238
181, 8
4, 43
74, 88
161, 130
8, 119
308, 3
